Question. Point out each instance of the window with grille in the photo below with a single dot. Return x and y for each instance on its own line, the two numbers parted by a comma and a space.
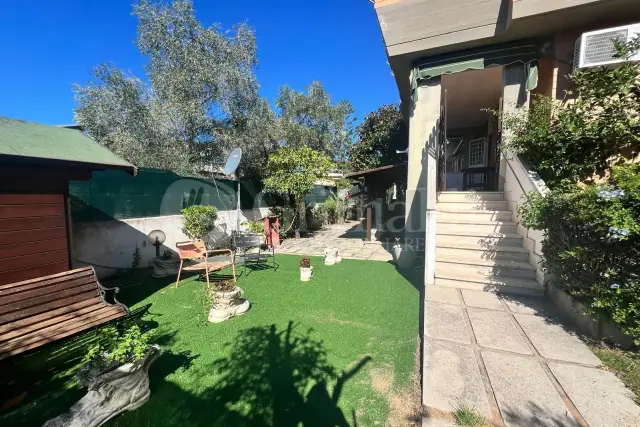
477, 152
476, 178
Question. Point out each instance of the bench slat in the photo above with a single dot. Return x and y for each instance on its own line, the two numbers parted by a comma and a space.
38, 311
56, 288
14, 332
31, 271
28, 321
46, 299
11, 317
53, 278
11, 351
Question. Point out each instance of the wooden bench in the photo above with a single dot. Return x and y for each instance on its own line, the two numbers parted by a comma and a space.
38, 311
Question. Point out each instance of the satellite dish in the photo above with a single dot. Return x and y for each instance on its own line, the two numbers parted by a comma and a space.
157, 238
232, 162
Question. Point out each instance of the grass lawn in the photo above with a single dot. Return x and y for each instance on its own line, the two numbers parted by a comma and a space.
625, 364
328, 352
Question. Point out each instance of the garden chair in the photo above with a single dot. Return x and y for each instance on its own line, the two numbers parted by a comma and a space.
244, 243
194, 256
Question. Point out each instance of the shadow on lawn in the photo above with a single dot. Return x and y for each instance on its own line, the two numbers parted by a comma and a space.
270, 378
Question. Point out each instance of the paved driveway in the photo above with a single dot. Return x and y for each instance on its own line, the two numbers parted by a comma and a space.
348, 238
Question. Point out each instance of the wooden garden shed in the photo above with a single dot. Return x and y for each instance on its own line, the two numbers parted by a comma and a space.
36, 164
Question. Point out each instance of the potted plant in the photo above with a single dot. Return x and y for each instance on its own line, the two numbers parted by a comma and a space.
165, 265
225, 301
116, 374
257, 227
306, 270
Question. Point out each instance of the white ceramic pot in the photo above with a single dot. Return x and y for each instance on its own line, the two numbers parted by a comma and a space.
306, 273
331, 256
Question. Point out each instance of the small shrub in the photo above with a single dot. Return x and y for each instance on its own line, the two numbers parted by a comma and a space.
338, 209
592, 243
320, 213
466, 415
167, 255
305, 263
199, 220
256, 227
112, 349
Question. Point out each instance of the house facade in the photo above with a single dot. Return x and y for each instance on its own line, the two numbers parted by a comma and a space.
455, 59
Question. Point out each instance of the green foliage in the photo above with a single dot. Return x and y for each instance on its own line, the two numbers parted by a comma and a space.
592, 243
311, 120
466, 415
337, 208
198, 99
321, 213
573, 140
114, 347
625, 364
135, 262
199, 220
379, 136
294, 170
256, 227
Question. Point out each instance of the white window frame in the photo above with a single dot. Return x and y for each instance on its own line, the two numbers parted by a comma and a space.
484, 152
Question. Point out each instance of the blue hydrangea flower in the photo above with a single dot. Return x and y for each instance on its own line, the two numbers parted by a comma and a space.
617, 233
615, 286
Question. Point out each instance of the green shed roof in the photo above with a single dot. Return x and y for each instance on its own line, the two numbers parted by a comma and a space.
28, 140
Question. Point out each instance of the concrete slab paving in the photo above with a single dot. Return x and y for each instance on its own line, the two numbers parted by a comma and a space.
525, 395
553, 341
600, 396
440, 294
530, 305
482, 299
445, 321
452, 377
494, 329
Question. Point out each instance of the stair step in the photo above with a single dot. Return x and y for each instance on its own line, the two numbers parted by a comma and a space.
471, 252
470, 215
467, 196
485, 269
506, 227
484, 240
506, 285
476, 205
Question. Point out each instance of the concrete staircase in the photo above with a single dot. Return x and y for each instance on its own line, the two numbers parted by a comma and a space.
478, 247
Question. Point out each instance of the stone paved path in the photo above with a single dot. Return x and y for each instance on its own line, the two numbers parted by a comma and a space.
514, 361
348, 238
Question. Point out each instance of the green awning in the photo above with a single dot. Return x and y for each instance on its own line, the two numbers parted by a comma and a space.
524, 52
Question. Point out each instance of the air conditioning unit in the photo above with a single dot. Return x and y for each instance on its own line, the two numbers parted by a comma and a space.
596, 48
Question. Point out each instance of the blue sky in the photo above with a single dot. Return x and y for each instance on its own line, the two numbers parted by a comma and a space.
49, 45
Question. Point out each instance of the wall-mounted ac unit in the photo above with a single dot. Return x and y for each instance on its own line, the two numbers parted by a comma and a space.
596, 47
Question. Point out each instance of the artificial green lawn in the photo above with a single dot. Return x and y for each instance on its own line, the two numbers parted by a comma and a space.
352, 328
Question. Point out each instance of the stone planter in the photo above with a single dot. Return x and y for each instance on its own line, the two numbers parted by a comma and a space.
404, 256
124, 388
227, 305
164, 267
306, 273
331, 256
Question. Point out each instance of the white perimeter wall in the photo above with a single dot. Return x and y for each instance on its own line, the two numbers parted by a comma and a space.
109, 245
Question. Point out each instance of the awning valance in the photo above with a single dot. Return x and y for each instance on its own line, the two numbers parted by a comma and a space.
524, 52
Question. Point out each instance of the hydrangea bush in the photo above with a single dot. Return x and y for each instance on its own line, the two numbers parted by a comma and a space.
592, 243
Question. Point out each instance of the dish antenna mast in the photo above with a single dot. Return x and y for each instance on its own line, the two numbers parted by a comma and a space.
229, 169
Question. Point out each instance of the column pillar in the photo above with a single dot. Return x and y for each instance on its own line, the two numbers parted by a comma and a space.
514, 96
424, 128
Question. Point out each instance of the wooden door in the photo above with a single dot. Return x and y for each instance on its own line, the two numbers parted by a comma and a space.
33, 236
